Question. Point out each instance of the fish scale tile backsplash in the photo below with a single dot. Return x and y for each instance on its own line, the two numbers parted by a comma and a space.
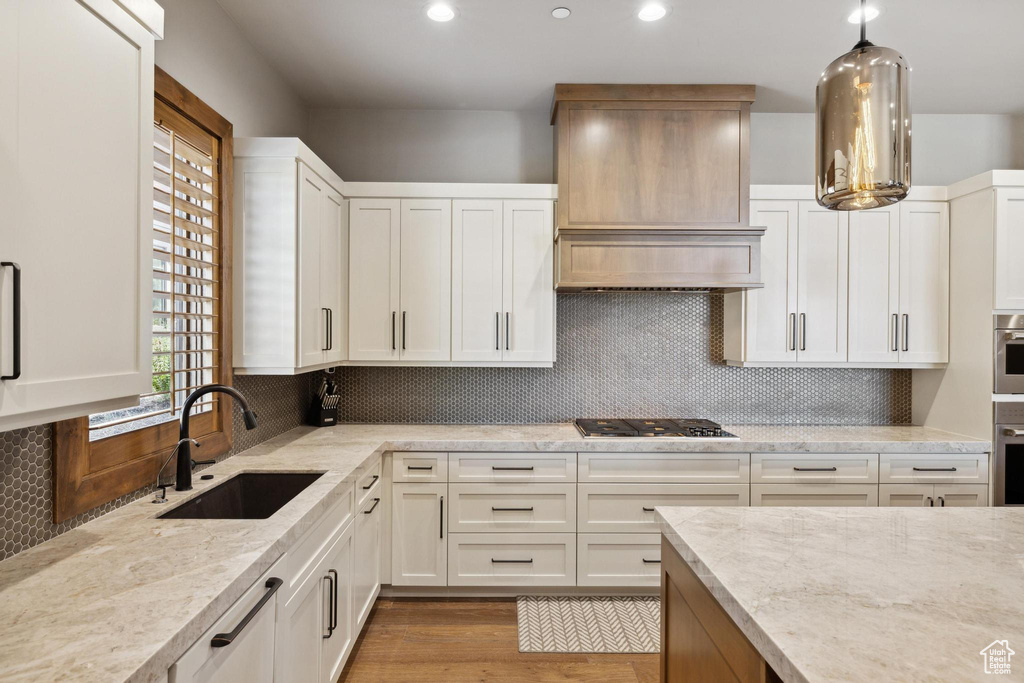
638, 354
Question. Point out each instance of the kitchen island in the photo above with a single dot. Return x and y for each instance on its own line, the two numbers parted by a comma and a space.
841, 594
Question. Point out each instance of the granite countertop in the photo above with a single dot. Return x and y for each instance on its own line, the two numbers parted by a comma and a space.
862, 594
123, 596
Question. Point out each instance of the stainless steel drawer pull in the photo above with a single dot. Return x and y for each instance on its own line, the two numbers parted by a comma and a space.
906, 332
225, 639
530, 561
376, 502
648, 509
935, 469
814, 469
646, 561
419, 467
792, 326
528, 509
803, 331
512, 469
372, 482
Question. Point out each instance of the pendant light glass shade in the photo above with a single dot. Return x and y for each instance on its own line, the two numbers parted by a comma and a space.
862, 154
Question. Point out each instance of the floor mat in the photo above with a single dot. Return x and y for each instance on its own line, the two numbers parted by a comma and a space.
589, 623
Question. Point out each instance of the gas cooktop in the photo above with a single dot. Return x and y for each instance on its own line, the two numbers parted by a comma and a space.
663, 428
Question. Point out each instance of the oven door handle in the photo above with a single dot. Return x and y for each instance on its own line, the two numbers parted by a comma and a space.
1014, 336
1013, 432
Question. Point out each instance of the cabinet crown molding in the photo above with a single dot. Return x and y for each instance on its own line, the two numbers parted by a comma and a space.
594, 92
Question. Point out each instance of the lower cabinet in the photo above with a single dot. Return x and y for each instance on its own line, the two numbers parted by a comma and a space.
933, 495
814, 495
366, 561
419, 554
505, 559
618, 559
336, 593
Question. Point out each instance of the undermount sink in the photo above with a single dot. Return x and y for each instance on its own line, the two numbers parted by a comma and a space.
251, 495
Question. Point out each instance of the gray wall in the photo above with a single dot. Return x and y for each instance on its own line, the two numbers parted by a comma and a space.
516, 147
205, 51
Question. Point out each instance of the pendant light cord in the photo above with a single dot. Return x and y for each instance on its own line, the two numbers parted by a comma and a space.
864, 42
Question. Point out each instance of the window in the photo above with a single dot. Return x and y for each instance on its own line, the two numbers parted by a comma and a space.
102, 457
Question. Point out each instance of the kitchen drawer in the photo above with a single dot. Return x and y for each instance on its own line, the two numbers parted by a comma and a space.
939, 468
301, 559
366, 481
618, 560
427, 467
551, 468
933, 495
814, 495
512, 507
793, 468
512, 560
664, 468
629, 508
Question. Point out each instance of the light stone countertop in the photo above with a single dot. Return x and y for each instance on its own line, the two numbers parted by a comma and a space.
123, 596
863, 594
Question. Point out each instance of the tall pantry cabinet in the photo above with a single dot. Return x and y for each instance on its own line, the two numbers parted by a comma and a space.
75, 244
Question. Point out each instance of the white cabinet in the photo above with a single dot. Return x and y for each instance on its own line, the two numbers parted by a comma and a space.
240, 646
875, 285
933, 495
618, 560
373, 278
814, 495
629, 508
1009, 245
502, 297
419, 554
291, 236
366, 562
924, 282
76, 130
337, 594
512, 560
933, 468
821, 295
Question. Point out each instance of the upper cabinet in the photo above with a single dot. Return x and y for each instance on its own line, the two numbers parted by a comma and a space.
653, 186
77, 202
860, 288
461, 280
291, 266
1009, 245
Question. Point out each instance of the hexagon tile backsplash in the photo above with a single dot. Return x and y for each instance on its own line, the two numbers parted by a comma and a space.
26, 468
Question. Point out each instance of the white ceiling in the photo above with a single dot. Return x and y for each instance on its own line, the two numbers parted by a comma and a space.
968, 57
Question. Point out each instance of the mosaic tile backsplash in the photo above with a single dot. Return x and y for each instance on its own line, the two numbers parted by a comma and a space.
630, 354
26, 469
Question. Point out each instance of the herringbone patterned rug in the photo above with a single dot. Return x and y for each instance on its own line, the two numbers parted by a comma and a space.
589, 624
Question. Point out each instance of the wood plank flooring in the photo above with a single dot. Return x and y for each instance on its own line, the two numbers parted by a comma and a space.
418, 641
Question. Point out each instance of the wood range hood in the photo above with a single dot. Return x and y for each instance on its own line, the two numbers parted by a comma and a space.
654, 188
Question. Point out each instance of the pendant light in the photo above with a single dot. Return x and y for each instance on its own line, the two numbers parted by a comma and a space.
862, 141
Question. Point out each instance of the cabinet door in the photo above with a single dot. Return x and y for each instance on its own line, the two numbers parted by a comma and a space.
76, 166
770, 316
426, 279
302, 624
821, 284
336, 591
312, 319
476, 280
814, 495
334, 274
1009, 245
528, 289
961, 495
418, 551
366, 560
874, 285
906, 495
373, 279
924, 282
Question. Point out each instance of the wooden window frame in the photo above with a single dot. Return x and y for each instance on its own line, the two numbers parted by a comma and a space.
88, 474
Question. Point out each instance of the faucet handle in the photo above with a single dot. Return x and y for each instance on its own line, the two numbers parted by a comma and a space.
196, 463
162, 496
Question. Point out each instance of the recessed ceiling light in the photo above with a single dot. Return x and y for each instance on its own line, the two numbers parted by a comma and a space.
441, 12
560, 12
652, 12
869, 14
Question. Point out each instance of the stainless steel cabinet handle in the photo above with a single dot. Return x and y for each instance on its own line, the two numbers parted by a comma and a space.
512, 469
372, 482
646, 561
327, 327
931, 503
814, 469
508, 318
895, 332
442, 516
15, 320
803, 331
393, 330
1013, 432
934, 469
906, 332
792, 329
494, 509
225, 639
403, 330
497, 331
529, 561
376, 502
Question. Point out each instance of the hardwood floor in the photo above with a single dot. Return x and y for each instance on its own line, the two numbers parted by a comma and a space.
461, 640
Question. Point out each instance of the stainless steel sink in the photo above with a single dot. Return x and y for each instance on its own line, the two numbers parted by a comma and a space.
251, 495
